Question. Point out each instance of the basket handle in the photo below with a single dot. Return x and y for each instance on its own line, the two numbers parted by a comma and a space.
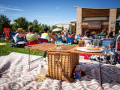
57, 57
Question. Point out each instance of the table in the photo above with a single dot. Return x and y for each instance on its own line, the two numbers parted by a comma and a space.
39, 47
92, 53
69, 52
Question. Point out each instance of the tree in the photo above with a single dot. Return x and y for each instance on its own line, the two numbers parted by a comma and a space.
40, 29
43, 25
14, 27
35, 25
4, 22
62, 28
21, 22
50, 29
54, 26
29, 24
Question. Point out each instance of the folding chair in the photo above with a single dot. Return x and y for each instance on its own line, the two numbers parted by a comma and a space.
101, 36
60, 39
106, 42
6, 31
70, 40
57, 37
31, 43
41, 40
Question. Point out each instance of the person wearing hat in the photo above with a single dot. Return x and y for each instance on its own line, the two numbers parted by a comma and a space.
47, 35
20, 35
31, 36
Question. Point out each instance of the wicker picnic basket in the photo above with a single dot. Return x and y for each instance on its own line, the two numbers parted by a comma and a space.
66, 59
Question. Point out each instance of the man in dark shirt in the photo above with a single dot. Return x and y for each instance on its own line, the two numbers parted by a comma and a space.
110, 33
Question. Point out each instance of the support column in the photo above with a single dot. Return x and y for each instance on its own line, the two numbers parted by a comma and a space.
112, 19
79, 21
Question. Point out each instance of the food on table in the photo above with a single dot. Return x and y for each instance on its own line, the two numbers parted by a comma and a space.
95, 48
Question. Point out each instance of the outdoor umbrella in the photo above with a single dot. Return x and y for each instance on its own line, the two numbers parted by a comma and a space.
57, 29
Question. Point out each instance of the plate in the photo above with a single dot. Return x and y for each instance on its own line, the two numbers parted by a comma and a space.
84, 49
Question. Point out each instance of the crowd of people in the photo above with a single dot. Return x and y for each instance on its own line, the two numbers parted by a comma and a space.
29, 36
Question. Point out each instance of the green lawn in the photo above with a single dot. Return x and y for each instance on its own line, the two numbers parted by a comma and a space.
6, 50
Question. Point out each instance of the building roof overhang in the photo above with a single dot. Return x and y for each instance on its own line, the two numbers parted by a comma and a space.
118, 10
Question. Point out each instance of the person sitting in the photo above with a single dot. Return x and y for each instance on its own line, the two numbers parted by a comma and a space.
96, 41
63, 37
74, 39
49, 37
20, 35
93, 34
19, 39
31, 36
87, 37
69, 35
105, 32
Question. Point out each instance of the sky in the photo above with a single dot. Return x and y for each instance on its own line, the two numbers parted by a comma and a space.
50, 12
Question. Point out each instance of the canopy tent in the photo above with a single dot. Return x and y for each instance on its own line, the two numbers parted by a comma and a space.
57, 29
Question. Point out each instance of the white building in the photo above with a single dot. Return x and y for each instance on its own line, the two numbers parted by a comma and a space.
64, 25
